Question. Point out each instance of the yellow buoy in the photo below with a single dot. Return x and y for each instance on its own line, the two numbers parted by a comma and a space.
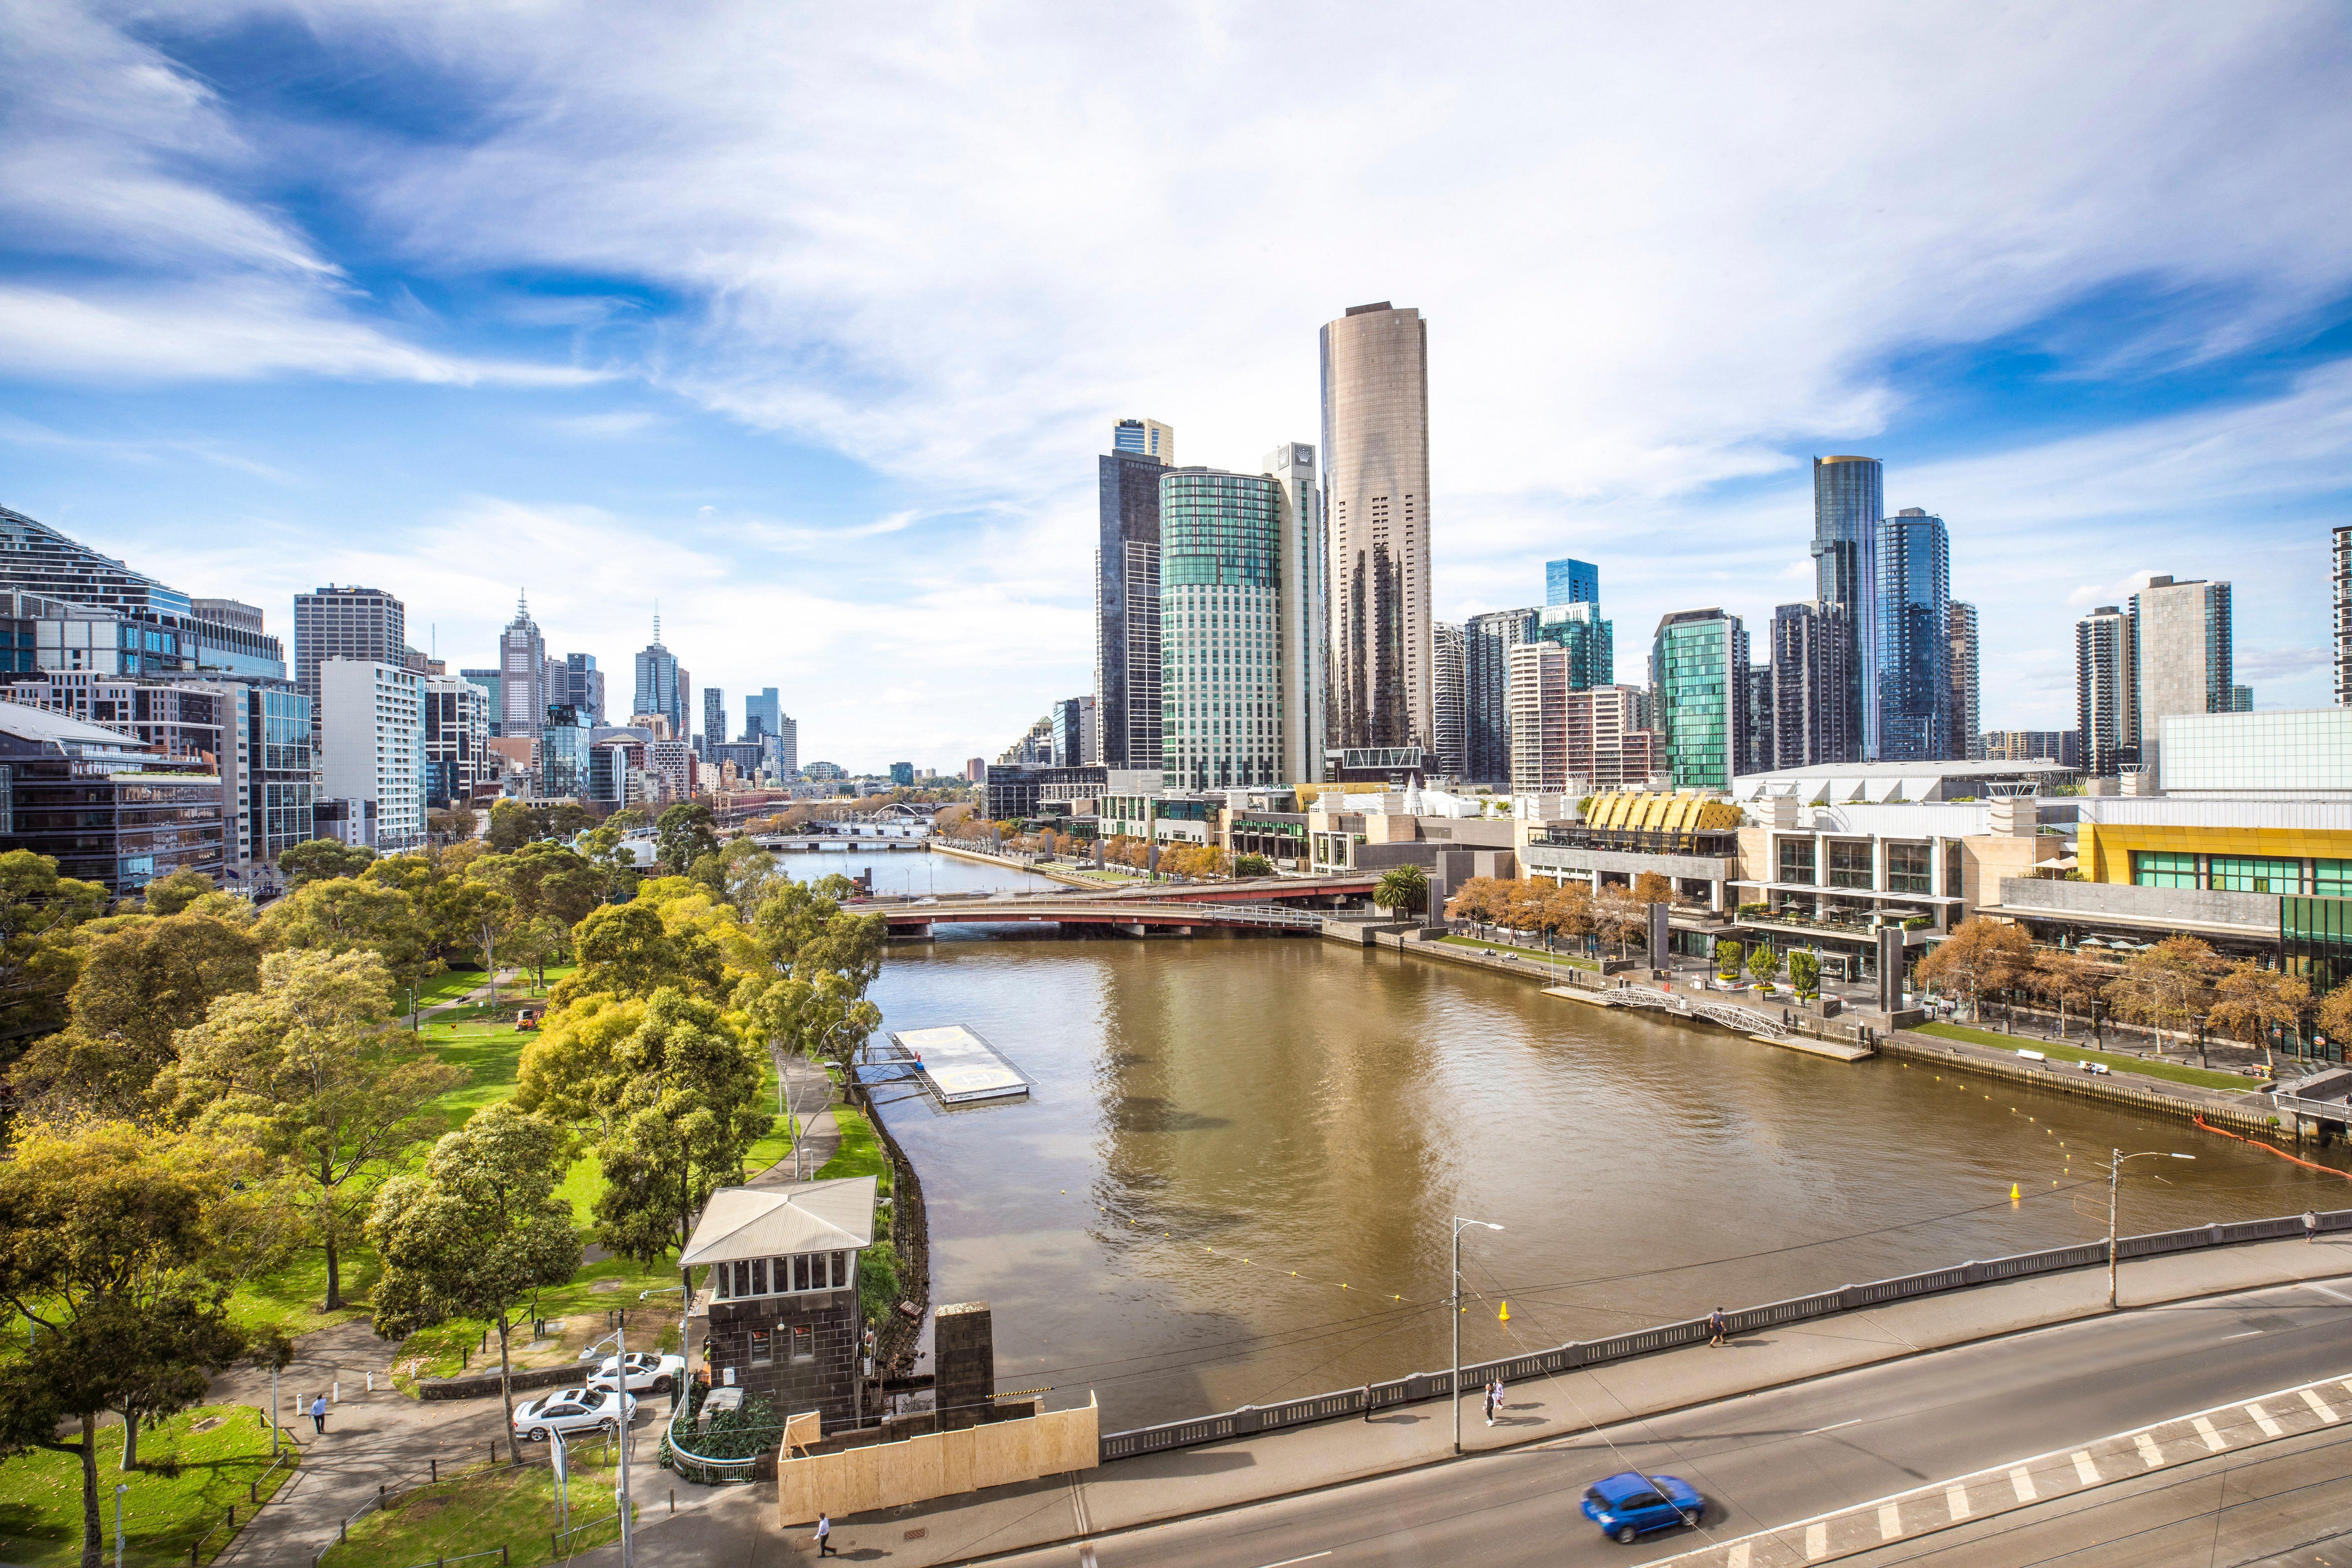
1504, 1315
2013, 1192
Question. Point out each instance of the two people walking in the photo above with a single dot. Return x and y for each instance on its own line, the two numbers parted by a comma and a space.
1494, 1400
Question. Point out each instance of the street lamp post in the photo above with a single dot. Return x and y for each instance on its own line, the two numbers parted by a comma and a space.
2115, 1171
620, 1342
1455, 1385
118, 1491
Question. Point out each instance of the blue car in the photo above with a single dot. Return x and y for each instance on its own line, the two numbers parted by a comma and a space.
1630, 1505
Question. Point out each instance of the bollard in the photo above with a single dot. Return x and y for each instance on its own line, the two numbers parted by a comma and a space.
379, 1497
231, 1516
339, 1391
673, 1500
465, 1359
437, 1468
370, 1377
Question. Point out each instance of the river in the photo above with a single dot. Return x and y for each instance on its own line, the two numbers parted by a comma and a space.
1232, 1181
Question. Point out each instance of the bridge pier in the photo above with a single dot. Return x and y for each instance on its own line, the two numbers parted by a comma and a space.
912, 933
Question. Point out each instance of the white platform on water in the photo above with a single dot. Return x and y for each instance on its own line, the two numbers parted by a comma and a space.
958, 1066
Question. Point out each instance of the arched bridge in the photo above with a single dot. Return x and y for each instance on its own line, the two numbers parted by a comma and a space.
1137, 915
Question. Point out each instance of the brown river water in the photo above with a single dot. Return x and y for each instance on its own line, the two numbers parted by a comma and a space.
1225, 1131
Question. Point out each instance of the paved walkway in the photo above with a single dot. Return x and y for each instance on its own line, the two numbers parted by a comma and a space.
383, 1436
810, 1091
1219, 1476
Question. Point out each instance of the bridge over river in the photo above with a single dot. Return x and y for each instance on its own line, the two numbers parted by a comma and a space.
1289, 903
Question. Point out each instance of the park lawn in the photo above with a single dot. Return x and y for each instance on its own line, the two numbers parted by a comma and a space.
185, 1484
861, 1152
1476, 946
2169, 1071
511, 1506
466, 1346
448, 985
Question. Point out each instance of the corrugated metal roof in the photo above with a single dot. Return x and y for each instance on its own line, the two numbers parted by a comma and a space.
2165, 811
40, 725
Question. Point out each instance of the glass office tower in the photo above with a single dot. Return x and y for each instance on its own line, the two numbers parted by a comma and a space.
1220, 630
1698, 665
1571, 583
1848, 500
1910, 676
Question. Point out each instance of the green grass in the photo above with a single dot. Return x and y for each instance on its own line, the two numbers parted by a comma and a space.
511, 1506
449, 985
185, 1484
1563, 959
861, 1152
443, 1349
2169, 1071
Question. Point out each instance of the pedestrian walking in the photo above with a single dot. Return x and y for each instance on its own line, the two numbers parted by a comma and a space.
824, 1535
2310, 1226
1490, 1405
1368, 1401
318, 1413
1719, 1329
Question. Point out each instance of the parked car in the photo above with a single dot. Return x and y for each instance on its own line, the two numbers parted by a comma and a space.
647, 1370
1630, 1505
573, 1410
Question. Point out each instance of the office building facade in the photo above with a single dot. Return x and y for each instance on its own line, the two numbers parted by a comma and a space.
1571, 583
151, 628
102, 804
1697, 660
2064, 747
2343, 575
1221, 624
1813, 684
1487, 644
1305, 629
714, 718
564, 755
458, 765
763, 714
1758, 691
1072, 728
372, 744
1849, 499
1145, 438
663, 687
2183, 654
522, 674
1127, 608
584, 686
365, 624
1453, 744
1590, 640
1375, 364
1967, 741
1907, 690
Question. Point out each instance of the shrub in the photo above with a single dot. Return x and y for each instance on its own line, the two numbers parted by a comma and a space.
1728, 957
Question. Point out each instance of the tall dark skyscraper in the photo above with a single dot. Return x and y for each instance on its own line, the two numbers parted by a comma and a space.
1377, 504
1849, 498
1812, 652
1127, 609
1908, 686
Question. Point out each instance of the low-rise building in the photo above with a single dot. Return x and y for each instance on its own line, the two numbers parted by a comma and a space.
783, 1262
105, 807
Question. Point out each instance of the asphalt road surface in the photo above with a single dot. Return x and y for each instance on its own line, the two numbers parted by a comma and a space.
1764, 1459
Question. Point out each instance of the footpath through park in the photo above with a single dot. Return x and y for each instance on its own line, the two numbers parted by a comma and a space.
1213, 1477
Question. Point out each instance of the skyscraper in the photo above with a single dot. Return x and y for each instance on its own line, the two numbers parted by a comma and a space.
763, 714
1487, 644
1566, 740
2343, 617
1758, 690
372, 744
1451, 719
1571, 583
1698, 662
1848, 502
1146, 438
1813, 650
1221, 615
1306, 630
2107, 692
2183, 648
522, 674
714, 718
1376, 468
1907, 690
662, 685
1968, 740
363, 624
1127, 608
584, 686
1590, 642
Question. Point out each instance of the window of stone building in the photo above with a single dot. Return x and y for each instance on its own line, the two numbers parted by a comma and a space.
803, 1342
759, 1276
763, 1349
1907, 868
840, 1269
801, 1272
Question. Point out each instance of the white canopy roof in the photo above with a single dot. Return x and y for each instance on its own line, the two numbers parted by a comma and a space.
762, 1222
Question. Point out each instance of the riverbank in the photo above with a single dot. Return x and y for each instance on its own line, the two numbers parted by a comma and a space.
1052, 873
2242, 1111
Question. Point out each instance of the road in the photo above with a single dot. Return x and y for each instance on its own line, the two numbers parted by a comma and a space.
1767, 1458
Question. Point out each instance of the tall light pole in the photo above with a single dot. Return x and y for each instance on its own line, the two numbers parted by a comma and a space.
620, 1342
1456, 1385
2114, 1169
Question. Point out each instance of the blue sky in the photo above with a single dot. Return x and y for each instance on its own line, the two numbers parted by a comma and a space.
809, 326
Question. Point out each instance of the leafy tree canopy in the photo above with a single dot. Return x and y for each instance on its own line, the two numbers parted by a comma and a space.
38, 909
141, 982
321, 859
345, 914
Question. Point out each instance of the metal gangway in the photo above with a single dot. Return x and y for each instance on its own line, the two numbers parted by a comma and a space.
1730, 1014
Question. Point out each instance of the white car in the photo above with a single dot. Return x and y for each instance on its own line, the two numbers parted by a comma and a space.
647, 1370
573, 1410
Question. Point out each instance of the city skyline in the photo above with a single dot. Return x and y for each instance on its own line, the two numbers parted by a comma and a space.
797, 426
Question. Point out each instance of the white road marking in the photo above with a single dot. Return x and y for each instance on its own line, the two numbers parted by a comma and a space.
1890, 1522
2212, 1439
1817, 1542
1956, 1499
2250, 1333
2262, 1419
1737, 1557
2085, 1471
2149, 1451
1834, 1426
2021, 1484
2325, 1292
1286, 1562
2320, 1407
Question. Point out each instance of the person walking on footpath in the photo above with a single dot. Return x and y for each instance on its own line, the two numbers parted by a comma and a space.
1490, 1403
1368, 1401
319, 1414
2310, 1226
824, 1535
1718, 1330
